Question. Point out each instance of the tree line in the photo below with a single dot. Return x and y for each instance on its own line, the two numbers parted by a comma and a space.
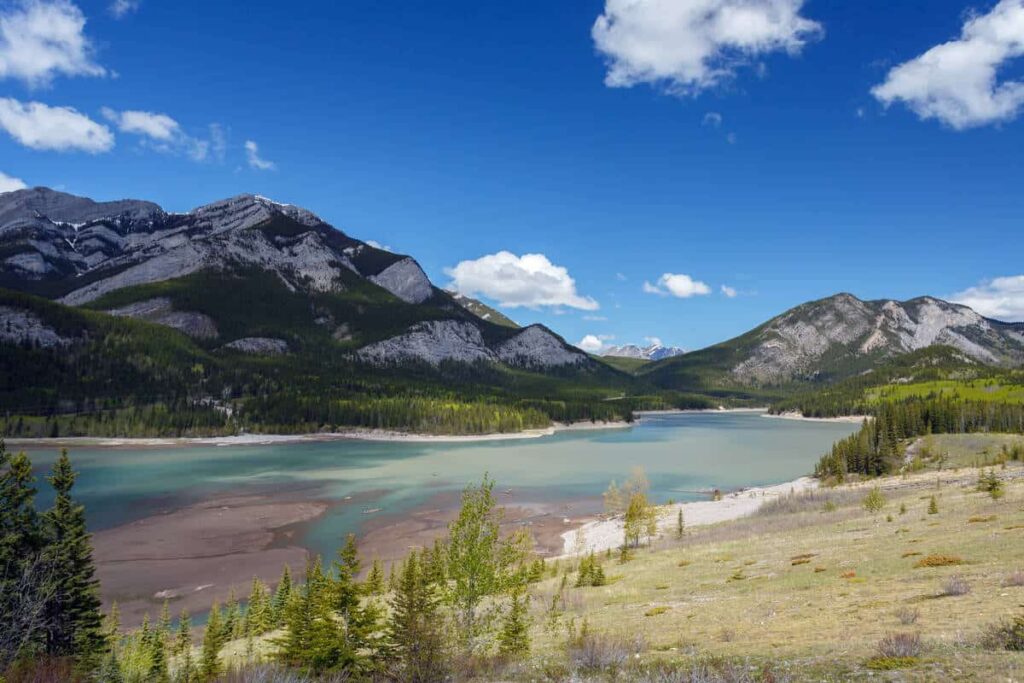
877, 448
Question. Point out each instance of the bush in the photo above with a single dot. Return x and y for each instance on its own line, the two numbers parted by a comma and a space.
1014, 579
900, 645
939, 561
592, 652
956, 585
1008, 635
874, 501
907, 615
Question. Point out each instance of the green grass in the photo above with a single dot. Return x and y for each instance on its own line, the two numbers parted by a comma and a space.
630, 365
982, 389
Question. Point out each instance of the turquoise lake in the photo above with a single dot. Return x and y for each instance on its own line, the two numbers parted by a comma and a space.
682, 453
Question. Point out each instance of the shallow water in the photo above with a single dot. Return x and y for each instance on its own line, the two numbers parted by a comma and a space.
681, 454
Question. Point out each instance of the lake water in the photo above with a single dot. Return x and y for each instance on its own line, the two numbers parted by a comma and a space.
681, 453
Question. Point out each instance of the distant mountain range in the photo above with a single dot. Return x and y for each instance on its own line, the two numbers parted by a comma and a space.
267, 306
650, 352
837, 337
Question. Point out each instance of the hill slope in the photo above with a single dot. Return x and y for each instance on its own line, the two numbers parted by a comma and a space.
840, 336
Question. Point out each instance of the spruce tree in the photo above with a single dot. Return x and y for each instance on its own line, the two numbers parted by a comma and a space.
209, 658
514, 638
375, 580
75, 624
680, 525
282, 593
415, 628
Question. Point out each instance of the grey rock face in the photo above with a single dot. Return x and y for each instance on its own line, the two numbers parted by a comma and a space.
41, 205
432, 341
650, 352
843, 326
259, 346
20, 327
159, 311
536, 346
406, 280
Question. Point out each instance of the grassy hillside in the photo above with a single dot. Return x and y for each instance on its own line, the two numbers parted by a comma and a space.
630, 365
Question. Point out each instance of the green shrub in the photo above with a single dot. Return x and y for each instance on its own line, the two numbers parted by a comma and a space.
874, 501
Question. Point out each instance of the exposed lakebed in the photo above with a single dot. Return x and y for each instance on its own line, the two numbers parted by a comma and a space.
308, 495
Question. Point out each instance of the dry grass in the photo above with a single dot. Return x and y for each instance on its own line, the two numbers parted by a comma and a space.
816, 620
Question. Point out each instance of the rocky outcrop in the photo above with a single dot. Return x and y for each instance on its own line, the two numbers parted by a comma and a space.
844, 329
537, 346
432, 342
406, 280
160, 311
23, 327
267, 346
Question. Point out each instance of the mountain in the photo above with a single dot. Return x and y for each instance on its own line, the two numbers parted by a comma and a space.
837, 337
266, 308
114, 256
650, 352
483, 311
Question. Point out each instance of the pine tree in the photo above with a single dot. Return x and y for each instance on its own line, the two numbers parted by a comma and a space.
933, 506
375, 580
183, 639
232, 618
76, 626
209, 659
415, 631
514, 638
680, 526
281, 596
258, 611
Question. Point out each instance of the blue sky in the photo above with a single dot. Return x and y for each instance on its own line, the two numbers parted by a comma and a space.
787, 150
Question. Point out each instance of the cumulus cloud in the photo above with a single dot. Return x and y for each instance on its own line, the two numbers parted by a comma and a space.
252, 155
593, 343
530, 280
1001, 298
40, 39
677, 285
10, 183
729, 291
956, 82
687, 47
40, 126
163, 134
122, 8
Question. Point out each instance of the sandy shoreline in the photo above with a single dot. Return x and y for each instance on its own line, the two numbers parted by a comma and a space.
793, 415
350, 435
687, 411
605, 534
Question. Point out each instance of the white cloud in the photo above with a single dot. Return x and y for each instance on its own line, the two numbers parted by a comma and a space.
10, 183
156, 126
620, 277
653, 341
713, 119
593, 343
252, 154
121, 8
595, 318
729, 291
529, 280
43, 127
1001, 298
163, 134
40, 39
677, 285
955, 82
691, 46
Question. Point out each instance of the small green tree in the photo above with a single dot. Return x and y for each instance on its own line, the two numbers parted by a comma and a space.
209, 658
282, 593
416, 626
479, 563
874, 501
933, 506
514, 638
680, 524
375, 579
